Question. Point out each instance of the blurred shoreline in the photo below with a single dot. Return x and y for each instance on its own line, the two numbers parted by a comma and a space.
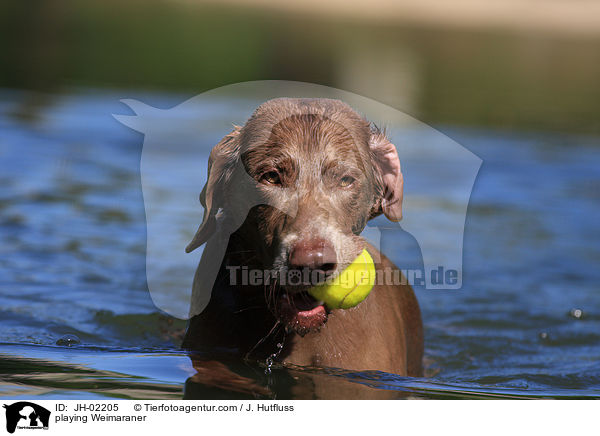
455, 64
579, 18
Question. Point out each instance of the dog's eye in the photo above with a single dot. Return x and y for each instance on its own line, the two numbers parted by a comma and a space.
271, 178
346, 181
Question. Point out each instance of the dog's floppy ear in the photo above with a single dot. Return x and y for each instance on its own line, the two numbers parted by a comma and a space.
222, 156
390, 180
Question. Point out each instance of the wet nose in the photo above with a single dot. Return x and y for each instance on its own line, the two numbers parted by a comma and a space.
314, 253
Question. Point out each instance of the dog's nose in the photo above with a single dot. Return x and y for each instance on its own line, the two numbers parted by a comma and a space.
315, 253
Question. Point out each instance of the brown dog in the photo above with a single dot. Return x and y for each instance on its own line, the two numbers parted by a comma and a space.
292, 190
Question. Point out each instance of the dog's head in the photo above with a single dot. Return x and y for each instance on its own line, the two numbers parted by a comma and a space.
320, 172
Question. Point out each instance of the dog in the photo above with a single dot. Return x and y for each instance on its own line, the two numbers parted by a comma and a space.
316, 172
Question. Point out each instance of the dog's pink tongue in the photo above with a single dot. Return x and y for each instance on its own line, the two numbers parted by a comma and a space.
313, 318
303, 321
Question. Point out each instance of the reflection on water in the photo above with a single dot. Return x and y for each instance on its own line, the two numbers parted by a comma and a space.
72, 246
100, 373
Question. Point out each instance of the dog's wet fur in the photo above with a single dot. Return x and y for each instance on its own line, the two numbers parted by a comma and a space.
320, 172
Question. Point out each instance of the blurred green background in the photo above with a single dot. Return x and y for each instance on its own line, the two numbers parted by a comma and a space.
495, 76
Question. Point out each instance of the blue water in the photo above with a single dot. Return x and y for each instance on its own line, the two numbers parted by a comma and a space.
526, 323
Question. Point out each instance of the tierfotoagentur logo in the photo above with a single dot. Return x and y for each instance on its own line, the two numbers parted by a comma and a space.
439, 175
26, 416
241, 275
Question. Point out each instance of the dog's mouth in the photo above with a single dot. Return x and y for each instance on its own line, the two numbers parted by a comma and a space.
301, 313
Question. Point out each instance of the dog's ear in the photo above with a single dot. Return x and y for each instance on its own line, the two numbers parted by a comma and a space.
221, 160
389, 177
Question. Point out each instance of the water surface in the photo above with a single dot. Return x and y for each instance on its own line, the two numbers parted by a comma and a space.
72, 261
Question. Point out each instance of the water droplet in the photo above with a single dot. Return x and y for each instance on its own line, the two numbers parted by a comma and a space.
269, 364
68, 340
576, 313
271, 359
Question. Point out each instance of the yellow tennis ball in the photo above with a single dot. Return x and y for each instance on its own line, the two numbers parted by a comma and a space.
350, 287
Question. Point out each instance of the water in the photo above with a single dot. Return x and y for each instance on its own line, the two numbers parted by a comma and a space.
72, 262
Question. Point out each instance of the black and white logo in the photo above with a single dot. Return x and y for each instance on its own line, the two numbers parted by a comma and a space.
26, 415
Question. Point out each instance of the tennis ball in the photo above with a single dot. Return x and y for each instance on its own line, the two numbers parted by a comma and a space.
350, 287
